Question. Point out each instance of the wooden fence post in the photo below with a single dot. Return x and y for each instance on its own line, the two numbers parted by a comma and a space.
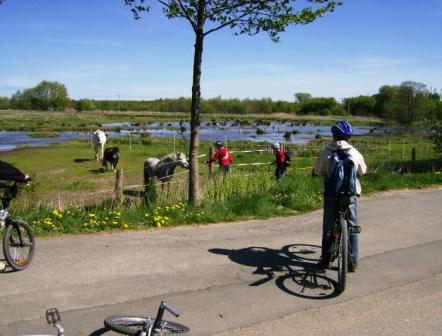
210, 163
119, 186
413, 159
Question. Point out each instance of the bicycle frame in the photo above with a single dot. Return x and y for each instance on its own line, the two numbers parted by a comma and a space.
150, 329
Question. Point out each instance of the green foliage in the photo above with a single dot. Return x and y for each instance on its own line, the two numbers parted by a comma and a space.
361, 105
406, 103
5, 103
384, 105
150, 193
435, 122
85, 105
321, 106
302, 97
246, 17
410, 101
45, 96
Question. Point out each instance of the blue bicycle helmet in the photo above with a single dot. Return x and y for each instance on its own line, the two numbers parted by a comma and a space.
219, 143
342, 128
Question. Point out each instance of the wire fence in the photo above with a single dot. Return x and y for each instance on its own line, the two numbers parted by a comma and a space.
377, 156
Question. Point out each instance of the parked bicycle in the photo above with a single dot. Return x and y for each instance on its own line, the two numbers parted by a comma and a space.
18, 238
147, 326
340, 248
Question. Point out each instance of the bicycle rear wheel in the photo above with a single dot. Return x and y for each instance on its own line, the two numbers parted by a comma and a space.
18, 245
132, 325
342, 254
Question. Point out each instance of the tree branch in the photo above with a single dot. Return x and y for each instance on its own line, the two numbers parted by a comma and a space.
236, 19
187, 16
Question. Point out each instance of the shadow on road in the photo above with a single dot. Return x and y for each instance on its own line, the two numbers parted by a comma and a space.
100, 331
292, 267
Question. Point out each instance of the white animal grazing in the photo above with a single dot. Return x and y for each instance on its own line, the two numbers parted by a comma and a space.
99, 139
163, 168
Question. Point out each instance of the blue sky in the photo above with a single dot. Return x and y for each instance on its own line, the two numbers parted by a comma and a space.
98, 51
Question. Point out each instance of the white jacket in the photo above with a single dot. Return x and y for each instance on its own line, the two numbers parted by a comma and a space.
321, 162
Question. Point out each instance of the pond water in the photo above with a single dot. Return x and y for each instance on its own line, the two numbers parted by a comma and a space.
210, 130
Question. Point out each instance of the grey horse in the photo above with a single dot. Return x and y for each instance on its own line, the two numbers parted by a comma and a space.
163, 168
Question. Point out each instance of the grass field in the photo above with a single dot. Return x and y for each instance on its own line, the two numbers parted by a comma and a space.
71, 192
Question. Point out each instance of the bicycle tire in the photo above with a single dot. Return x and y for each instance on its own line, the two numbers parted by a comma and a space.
342, 255
132, 325
17, 240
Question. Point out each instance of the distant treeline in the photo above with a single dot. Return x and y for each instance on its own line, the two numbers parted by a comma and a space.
405, 103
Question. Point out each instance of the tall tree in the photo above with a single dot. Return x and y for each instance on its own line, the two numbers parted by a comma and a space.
45, 96
243, 17
384, 105
302, 97
411, 100
434, 119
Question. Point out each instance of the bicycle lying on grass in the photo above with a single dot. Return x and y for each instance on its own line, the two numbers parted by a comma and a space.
18, 238
142, 326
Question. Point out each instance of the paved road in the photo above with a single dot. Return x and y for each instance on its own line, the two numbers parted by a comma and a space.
243, 278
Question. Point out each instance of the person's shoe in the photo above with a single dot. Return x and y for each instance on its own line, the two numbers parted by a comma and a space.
352, 266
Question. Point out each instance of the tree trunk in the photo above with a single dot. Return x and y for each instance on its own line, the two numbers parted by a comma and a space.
194, 192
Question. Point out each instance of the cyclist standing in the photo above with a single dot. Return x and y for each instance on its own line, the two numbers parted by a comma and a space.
279, 161
341, 132
223, 156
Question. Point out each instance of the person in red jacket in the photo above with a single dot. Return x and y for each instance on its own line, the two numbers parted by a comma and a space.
279, 161
223, 156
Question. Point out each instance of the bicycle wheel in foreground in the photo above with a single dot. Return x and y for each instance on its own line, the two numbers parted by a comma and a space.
342, 255
18, 245
132, 325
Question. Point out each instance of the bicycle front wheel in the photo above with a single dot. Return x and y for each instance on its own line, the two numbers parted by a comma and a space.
132, 325
18, 245
342, 255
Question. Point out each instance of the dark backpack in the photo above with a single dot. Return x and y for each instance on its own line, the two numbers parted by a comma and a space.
287, 158
341, 175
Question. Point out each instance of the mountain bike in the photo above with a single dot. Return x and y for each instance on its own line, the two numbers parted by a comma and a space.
18, 238
147, 326
340, 247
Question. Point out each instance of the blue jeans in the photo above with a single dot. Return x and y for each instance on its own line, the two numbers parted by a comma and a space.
280, 171
330, 216
224, 169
